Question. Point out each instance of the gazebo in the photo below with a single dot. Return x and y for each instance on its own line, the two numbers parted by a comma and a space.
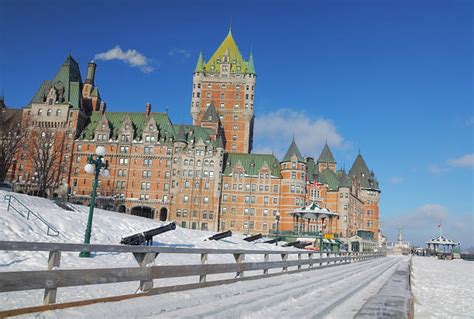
441, 244
304, 215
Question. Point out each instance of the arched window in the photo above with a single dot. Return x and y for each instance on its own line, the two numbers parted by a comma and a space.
186, 162
50, 102
58, 112
206, 163
49, 112
40, 111
211, 163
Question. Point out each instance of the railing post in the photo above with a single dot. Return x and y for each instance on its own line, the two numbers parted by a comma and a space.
299, 261
284, 257
239, 258
265, 259
202, 278
9, 200
320, 258
145, 260
310, 257
54, 260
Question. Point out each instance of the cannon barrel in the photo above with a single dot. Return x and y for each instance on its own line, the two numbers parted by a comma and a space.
136, 239
160, 230
222, 235
253, 238
146, 236
272, 241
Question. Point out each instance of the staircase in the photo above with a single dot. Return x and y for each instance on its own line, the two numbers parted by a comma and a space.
16, 205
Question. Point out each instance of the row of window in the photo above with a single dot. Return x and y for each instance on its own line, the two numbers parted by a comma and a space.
204, 215
49, 112
251, 187
249, 199
206, 162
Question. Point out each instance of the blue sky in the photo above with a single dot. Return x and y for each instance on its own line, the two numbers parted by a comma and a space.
393, 78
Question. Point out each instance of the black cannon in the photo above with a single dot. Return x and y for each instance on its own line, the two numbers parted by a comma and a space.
147, 236
253, 238
272, 241
220, 236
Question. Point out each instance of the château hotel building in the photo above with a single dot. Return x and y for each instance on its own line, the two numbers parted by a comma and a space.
204, 175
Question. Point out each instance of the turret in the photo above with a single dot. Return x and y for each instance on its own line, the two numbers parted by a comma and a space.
91, 72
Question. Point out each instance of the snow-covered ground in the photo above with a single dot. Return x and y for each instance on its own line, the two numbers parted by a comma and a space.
443, 288
335, 292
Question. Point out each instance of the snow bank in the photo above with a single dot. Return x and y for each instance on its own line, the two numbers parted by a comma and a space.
443, 288
108, 228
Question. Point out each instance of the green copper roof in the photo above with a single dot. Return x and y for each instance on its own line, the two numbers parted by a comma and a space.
227, 48
326, 155
293, 149
250, 66
312, 171
252, 163
181, 136
68, 78
344, 180
139, 120
330, 179
199, 64
196, 133
211, 115
360, 170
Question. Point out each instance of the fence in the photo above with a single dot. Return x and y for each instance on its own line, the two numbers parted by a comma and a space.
53, 278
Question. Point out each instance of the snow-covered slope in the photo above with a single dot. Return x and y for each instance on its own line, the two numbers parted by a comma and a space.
108, 228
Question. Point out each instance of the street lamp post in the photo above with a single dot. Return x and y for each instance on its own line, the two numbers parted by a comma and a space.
277, 218
98, 166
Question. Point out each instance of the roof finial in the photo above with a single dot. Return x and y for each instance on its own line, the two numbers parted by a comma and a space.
230, 25
293, 138
359, 148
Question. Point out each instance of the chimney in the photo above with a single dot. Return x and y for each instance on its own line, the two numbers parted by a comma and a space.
148, 108
91, 72
102, 107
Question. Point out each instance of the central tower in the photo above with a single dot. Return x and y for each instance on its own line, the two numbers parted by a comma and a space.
226, 82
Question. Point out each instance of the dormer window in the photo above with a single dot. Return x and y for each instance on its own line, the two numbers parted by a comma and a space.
58, 112
50, 102
48, 113
40, 111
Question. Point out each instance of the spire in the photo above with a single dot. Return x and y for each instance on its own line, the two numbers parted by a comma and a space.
228, 48
199, 64
250, 66
211, 114
293, 150
326, 155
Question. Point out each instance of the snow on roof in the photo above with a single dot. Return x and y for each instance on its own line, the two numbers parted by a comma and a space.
441, 240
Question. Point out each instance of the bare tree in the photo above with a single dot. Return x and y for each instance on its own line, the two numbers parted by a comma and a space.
45, 153
11, 138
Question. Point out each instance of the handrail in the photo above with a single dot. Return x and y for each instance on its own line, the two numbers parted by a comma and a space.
71, 247
51, 231
53, 278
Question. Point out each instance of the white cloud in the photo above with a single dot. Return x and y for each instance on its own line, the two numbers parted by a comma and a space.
131, 57
182, 52
273, 132
463, 161
396, 180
